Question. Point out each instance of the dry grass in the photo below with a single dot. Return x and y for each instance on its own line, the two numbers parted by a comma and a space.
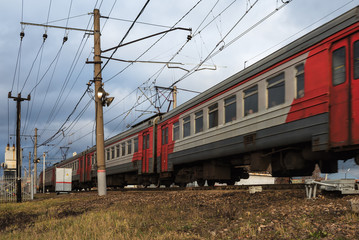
180, 215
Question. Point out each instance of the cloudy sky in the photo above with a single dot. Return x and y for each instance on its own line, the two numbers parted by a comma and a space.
55, 72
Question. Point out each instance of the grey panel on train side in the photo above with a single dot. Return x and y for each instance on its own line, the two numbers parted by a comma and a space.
305, 130
123, 168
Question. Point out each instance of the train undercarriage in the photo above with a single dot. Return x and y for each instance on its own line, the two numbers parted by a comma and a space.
290, 161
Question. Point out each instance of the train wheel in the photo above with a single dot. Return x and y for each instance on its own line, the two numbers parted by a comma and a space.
201, 182
231, 182
210, 183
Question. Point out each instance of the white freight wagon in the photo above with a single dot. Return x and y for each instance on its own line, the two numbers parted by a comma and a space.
63, 179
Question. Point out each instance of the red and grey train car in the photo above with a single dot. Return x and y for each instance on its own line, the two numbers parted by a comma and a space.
289, 111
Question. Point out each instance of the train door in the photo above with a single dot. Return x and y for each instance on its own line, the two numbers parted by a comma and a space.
339, 94
145, 151
354, 92
82, 169
88, 168
344, 94
164, 148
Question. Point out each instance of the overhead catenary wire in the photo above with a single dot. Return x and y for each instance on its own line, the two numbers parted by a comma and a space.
310, 25
54, 111
214, 53
139, 22
142, 54
33, 63
126, 34
77, 56
67, 119
73, 65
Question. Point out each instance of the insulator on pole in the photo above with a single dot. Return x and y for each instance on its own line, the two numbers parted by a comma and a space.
22, 34
44, 36
65, 39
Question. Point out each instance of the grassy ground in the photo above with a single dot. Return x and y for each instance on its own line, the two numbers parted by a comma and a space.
180, 215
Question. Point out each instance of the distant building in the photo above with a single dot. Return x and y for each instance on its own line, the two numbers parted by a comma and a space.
9, 165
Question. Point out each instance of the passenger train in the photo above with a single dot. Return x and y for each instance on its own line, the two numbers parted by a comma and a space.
289, 111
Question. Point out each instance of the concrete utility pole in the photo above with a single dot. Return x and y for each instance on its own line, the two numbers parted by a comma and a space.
100, 151
174, 97
100, 146
29, 164
35, 161
18, 100
43, 173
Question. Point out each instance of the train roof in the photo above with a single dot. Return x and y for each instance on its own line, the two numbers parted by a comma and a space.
302, 43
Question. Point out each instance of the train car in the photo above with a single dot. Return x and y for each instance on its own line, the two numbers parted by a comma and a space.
129, 157
289, 111
295, 108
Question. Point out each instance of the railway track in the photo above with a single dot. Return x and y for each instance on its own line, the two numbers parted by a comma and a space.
235, 187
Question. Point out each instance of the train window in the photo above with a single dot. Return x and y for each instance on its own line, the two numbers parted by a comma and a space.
164, 136
198, 122
148, 141
129, 146
186, 126
275, 90
356, 60
230, 109
123, 149
117, 151
135, 143
176, 131
112, 152
107, 154
338, 66
213, 116
250, 98
299, 76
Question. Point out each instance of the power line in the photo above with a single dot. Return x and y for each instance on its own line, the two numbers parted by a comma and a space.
142, 54
124, 37
139, 22
213, 53
33, 63
67, 119
310, 25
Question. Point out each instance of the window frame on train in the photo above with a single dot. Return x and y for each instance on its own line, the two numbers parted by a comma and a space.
249, 95
276, 90
176, 131
356, 59
123, 149
339, 66
112, 152
129, 146
118, 151
164, 134
198, 121
186, 126
135, 145
213, 116
299, 81
230, 108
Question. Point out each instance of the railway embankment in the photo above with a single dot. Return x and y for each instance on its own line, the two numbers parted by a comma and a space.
182, 214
